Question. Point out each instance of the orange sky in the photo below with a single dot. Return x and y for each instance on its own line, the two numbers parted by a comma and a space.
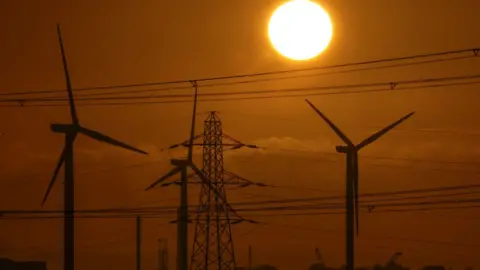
113, 42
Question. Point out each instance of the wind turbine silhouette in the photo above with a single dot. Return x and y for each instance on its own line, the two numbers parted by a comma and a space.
351, 151
181, 166
71, 131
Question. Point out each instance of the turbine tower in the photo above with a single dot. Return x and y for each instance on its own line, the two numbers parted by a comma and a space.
71, 131
181, 166
351, 151
213, 243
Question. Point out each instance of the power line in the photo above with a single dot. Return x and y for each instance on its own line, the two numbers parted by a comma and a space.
256, 203
389, 193
171, 214
376, 157
136, 91
391, 84
156, 162
408, 210
294, 187
474, 51
370, 206
317, 159
295, 119
22, 103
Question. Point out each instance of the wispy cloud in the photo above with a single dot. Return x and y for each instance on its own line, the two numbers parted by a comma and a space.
426, 149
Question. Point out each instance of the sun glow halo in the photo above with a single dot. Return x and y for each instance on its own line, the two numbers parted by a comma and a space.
300, 29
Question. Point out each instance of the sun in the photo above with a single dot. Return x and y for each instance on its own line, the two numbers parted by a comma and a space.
300, 29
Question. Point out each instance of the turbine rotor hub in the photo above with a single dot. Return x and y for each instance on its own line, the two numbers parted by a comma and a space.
63, 128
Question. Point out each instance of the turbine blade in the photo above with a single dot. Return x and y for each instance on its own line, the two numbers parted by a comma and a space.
165, 177
189, 176
332, 126
73, 110
192, 129
54, 177
106, 139
382, 132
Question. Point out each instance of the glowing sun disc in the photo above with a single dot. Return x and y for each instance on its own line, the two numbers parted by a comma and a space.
300, 29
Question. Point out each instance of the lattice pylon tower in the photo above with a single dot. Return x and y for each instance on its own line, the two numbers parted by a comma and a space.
213, 243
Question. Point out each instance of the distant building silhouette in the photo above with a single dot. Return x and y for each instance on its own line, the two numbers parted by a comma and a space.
163, 254
391, 264
8, 264
260, 267
320, 265
265, 267
434, 267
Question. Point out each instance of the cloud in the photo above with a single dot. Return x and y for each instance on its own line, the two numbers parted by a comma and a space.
424, 148
291, 145
100, 152
296, 144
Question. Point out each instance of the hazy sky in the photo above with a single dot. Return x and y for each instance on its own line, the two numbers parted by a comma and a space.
113, 42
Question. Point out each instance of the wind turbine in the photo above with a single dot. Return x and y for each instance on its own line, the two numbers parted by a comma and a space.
181, 166
351, 151
71, 131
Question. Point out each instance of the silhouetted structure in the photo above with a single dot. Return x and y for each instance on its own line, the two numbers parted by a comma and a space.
351, 150
265, 267
392, 264
213, 243
434, 267
71, 131
139, 242
181, 166
7, 264
250, 257
320, 264
163, 254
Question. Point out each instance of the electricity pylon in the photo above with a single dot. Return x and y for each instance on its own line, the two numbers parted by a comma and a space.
181, 167
213, 243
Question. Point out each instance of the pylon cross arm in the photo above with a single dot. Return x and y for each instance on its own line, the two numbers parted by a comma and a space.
179, 162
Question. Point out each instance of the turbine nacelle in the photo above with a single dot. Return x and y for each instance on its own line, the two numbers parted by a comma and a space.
64, 128
343, 149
